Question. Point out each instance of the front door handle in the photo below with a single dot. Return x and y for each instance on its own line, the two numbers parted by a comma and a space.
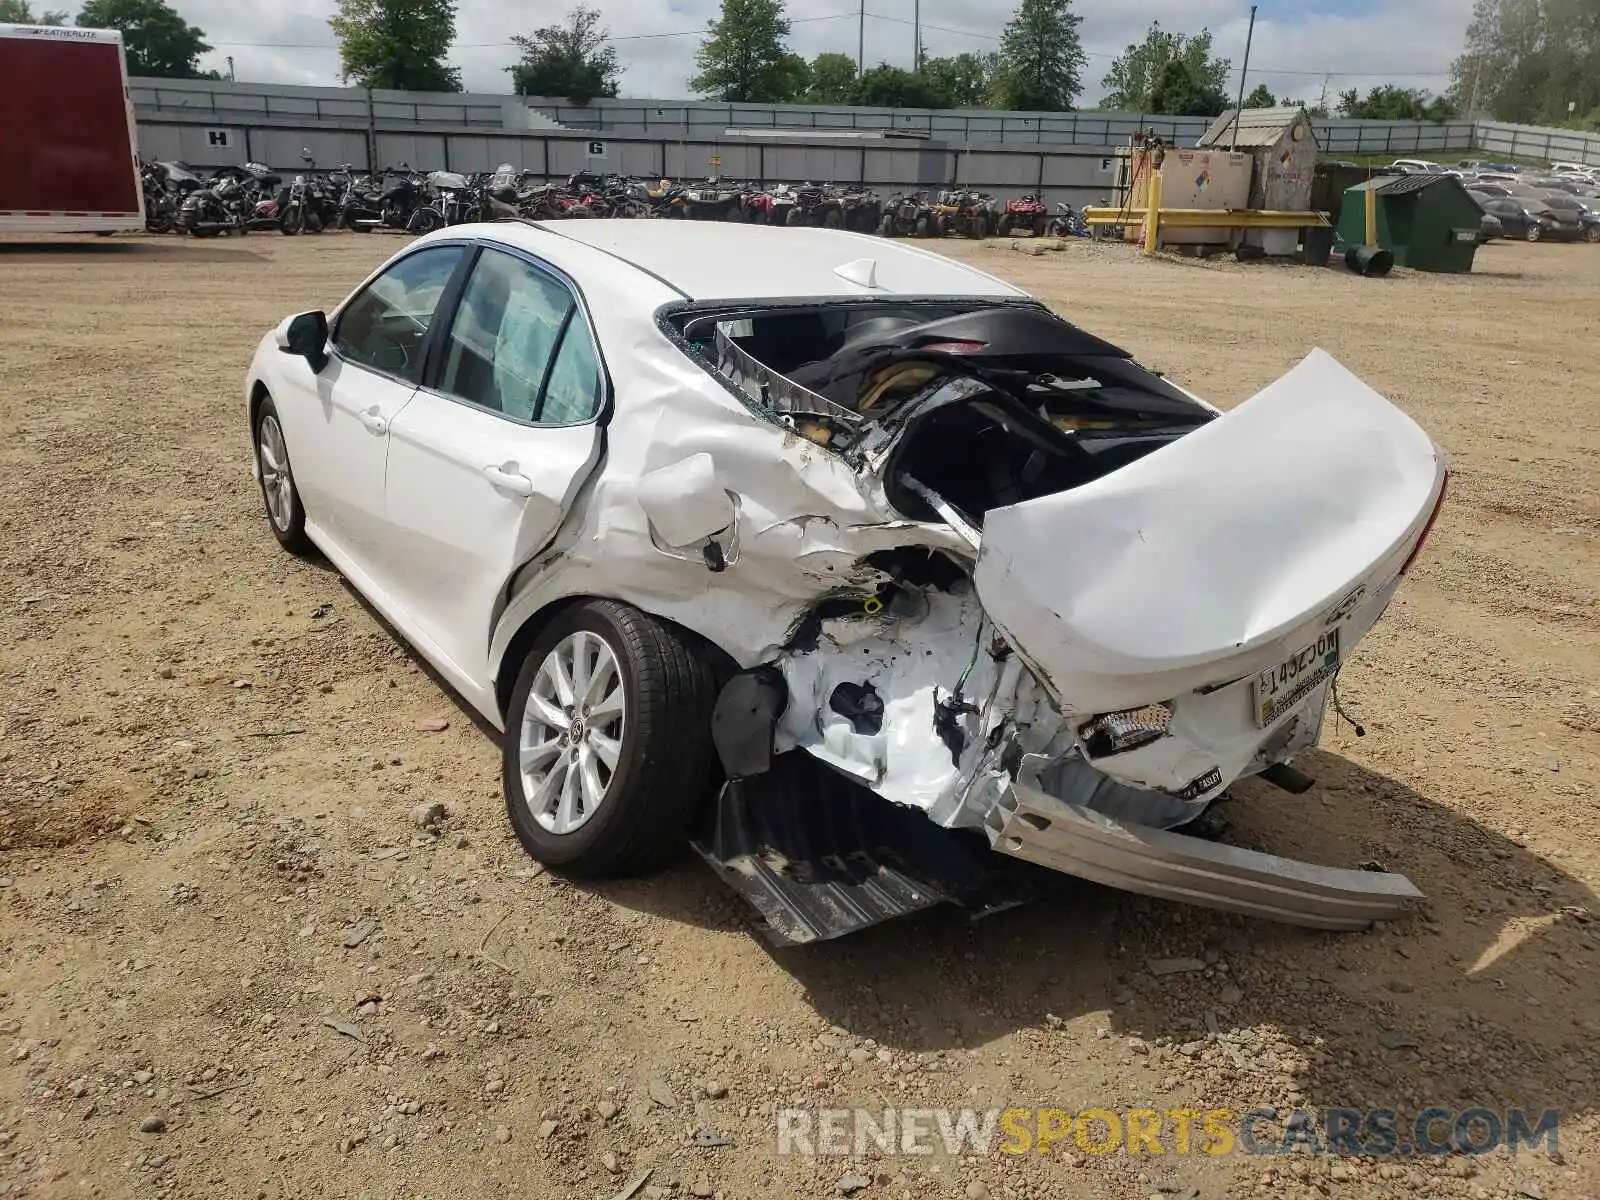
374, 420
508, 479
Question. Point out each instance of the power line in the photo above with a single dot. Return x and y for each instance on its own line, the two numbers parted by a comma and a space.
971, 33
616, 37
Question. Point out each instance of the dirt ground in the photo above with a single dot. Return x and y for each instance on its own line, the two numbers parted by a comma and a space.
210, 759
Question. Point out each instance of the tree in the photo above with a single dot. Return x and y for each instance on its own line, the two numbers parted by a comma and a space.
1131, 84
1527, 60
833, 79
20, 12
1262, 97
1181, 92
398, 44
575, 60
1041, 58
1391, 103
963, 80
893, 87
744, 59
157, 41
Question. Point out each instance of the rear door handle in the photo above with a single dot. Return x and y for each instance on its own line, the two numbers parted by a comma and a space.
375, 420
508, 480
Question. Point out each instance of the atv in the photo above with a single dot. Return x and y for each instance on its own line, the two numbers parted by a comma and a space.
1024, 214
907, 215
965, 212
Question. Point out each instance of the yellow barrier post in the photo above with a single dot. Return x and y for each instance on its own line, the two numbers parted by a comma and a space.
1372, 217
1152, 214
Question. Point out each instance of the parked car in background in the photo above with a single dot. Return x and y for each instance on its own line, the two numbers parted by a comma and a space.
1489, 228
1533, 220
1418, 166
1569, 207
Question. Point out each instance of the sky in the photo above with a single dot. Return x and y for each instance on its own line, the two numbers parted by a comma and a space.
1359, 43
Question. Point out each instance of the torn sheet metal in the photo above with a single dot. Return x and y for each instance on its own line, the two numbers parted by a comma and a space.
1178, 570
1077, 841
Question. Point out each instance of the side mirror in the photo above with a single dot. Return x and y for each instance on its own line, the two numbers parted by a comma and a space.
305, 334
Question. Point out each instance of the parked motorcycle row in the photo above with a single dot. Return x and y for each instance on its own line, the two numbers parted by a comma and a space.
253, 197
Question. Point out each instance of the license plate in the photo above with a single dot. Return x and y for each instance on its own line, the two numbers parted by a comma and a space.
1280, 688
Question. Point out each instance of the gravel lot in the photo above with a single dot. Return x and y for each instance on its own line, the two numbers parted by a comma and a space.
211, 766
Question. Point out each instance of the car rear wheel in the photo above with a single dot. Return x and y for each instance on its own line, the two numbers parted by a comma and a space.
607, 750
285, 513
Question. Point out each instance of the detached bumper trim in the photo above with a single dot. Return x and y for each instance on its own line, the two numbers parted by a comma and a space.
1040, 829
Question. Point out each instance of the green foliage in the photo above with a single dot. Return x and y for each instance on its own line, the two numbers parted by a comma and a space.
1527, 61
884, 86
832, 79
157, 41
744, 58
1388, 102
1262, 97
962, 80
1140, 81
1041, 58
575, 59
20, 12
398, 44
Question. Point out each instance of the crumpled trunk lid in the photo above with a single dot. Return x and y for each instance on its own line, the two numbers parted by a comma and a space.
1188, 567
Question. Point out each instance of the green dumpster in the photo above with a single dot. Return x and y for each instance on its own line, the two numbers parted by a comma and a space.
1428, 222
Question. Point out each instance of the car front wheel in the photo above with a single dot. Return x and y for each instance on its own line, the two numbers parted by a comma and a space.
1534, 232
285, 513
607, 750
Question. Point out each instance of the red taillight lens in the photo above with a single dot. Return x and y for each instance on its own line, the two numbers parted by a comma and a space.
1428, 528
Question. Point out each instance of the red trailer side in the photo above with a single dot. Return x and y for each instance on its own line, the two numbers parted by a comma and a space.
68, 152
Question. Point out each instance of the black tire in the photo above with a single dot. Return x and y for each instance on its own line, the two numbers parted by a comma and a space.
289, 526
1005, 226
426, 220
794, 217
293, 221
664, 769
1591, 233
833, 219
1534, 232
925, 226
885, 225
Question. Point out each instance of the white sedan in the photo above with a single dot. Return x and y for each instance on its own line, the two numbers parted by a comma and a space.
844, 562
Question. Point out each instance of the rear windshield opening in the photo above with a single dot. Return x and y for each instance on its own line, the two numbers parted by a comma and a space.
985, 405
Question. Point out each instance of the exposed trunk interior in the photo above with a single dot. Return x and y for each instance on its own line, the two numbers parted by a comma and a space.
986, 405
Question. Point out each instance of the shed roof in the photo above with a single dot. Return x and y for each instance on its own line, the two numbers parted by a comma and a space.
1257, 127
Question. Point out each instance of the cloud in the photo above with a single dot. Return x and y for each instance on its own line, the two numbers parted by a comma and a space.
1298, 43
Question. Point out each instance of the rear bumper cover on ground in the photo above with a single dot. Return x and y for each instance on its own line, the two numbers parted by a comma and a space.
1030, 825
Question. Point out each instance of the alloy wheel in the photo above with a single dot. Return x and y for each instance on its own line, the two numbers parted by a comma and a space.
276, 483
572, 730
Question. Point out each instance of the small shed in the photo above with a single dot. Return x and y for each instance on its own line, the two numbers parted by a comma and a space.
1428, 222
1284, 146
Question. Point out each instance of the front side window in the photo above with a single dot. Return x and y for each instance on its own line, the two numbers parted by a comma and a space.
385, 326
519, 345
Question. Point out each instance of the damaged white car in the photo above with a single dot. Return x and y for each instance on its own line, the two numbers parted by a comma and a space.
847, 563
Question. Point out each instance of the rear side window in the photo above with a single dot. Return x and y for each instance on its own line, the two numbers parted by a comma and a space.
519, 345
386, 325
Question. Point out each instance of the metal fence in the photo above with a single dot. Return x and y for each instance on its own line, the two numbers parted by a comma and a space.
1078, 175
224, 104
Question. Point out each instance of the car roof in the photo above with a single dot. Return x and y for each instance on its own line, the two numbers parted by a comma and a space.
719, 260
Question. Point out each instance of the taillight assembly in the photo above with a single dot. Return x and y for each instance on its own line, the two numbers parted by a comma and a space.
1119, 732
1438, 506
954, 347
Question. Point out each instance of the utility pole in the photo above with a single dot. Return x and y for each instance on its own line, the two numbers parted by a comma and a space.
1233, 140
1477, 78
916, 35
1322, 101
231, 78
861, 40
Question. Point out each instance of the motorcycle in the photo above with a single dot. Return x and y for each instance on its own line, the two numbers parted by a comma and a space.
907, 215
447, 203
225, 206
1068, 222
305, 205
1023, 213
386, 205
